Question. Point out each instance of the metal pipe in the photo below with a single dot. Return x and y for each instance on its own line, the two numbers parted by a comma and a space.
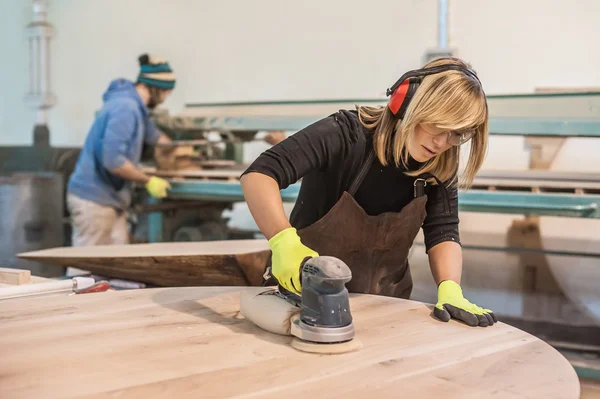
70, 285
40, 96
42, 114
443, 24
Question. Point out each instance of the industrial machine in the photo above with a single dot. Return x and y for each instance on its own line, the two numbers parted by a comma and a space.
545, 120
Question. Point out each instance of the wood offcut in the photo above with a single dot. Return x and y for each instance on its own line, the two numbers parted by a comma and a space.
14, 276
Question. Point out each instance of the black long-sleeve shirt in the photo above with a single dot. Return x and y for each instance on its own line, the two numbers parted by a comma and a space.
328, 154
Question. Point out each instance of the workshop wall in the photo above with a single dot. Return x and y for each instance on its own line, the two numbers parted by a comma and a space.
269, 50
16, 119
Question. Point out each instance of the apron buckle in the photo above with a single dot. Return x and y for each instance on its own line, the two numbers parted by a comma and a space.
419, 189
267, 274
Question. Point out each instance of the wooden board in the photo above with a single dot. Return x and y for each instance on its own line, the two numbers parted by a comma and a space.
584, 89
217, 163
14, 276
212, 173
538, 179
206, 263
191, 342
184, 143
217, 174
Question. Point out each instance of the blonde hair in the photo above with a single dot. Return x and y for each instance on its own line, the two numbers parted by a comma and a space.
449, 100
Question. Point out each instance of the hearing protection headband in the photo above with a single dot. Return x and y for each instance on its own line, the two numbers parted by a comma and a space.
405, 88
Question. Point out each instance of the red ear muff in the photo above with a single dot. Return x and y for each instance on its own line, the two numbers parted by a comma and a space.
405, 88
398, 96
401, 97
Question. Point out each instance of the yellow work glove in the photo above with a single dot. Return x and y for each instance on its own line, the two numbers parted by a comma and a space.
157, 187
288, 255
451, 303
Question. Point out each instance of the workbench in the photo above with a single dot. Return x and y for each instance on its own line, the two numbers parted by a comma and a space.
192, 342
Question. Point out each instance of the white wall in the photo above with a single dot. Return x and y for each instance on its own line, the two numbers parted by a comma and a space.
276, 50
16, 120
254, 51
519, 45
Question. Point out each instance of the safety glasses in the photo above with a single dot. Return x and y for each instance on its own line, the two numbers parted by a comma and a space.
455, 138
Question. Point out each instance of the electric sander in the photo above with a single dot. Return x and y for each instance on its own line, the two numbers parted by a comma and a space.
319, 318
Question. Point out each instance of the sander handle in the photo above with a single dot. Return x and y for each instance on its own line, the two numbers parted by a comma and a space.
289, 295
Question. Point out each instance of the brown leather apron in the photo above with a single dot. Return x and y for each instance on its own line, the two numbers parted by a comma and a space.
374, 247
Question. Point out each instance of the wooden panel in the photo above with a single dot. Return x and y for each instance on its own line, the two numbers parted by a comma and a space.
207, 263
538, 179
14, 276
191, 342
199, 174
567, 89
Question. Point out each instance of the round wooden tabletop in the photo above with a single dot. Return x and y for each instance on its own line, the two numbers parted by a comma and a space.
192, 342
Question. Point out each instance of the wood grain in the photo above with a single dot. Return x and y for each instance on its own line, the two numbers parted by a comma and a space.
206, 263
191, 342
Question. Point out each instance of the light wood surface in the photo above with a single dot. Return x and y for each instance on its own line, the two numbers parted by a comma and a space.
538, 179
14, 276
217, 163
184, 143
218, 174
217, 168
191, 342
225, 247
227, 262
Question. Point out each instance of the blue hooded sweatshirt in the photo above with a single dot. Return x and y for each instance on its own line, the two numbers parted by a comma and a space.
117, 135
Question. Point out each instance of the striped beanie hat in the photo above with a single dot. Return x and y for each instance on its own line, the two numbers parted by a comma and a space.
155, 72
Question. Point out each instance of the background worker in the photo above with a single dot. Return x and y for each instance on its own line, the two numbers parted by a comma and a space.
100, 188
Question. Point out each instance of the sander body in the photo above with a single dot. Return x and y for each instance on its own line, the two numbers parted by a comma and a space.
324, 303
319, 319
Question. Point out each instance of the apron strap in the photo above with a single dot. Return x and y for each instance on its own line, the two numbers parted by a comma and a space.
420, 184
362, 173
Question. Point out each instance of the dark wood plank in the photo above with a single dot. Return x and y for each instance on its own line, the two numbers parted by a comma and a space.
207, 263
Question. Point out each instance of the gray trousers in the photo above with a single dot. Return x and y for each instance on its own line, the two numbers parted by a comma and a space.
95, 224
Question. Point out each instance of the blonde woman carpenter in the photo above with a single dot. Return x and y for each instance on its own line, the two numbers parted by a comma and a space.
371, 178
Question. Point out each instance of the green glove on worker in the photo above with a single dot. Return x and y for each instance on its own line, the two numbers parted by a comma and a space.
452, 304
288, 255
157, 187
